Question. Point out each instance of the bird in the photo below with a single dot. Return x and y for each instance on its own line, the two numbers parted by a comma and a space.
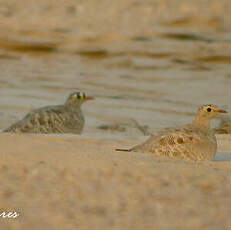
193, 142
66, 118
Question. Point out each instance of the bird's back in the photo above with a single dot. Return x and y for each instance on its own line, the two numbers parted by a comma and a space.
185, 142
50, 119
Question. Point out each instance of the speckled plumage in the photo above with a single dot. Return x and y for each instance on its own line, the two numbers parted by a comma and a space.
195, 141
67, 118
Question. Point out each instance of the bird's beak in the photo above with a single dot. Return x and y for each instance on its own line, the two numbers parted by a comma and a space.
89, 98
221, 111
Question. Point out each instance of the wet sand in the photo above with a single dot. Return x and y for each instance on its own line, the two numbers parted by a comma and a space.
73, 182
152, 62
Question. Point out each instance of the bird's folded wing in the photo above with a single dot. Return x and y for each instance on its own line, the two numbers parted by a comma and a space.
171, 142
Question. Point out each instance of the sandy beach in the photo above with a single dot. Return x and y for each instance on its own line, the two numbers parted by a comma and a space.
73, 182
151, 62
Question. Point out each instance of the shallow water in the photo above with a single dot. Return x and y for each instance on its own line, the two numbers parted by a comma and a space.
158, 81
222, 156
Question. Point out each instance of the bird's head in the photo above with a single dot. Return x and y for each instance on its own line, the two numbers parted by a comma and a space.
204, 115
77, 98
210, 111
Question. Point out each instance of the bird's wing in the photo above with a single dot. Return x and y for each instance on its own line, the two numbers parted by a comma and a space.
22, 125
174, 142
39, 120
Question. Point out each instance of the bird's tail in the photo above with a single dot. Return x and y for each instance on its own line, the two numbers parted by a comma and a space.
124, 150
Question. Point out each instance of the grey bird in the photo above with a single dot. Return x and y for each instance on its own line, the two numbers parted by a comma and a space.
195, 141
67, 118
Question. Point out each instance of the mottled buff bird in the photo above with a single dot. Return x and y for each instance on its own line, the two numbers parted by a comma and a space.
195, 141
67, 118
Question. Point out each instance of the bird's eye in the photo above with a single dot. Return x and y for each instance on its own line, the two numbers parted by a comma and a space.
209, 110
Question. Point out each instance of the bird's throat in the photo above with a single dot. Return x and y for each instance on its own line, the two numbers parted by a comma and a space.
202, 123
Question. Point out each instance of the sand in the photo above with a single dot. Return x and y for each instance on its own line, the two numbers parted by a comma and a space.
80, 182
